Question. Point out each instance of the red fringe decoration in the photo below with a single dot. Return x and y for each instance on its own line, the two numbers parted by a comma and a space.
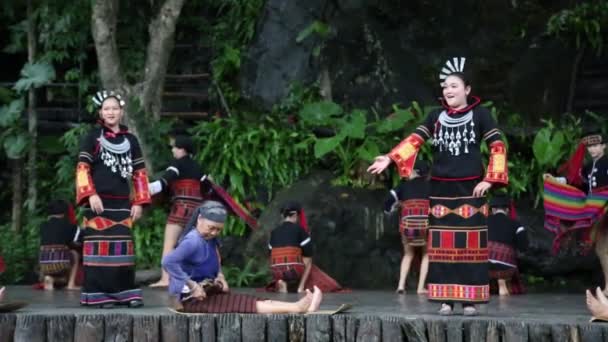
303, 222
72, 214
512, 211
573, 166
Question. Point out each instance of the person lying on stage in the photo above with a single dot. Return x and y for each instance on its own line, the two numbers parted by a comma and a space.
196, 282
182, 177
291, 250
505, 235
412, 196
59, 245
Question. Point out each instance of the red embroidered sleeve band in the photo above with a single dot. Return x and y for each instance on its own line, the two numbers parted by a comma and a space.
140, 185
497, 167
404, 155
84, 183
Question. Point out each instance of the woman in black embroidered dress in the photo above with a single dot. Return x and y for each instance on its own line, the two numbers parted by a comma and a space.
110, 160
457, 241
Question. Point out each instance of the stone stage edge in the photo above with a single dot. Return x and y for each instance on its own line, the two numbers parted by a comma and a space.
375, 316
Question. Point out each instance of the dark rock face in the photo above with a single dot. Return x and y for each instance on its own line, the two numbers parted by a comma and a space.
358, 245
385, 52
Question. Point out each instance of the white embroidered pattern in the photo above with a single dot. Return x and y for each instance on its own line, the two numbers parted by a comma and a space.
116, 156
454, 134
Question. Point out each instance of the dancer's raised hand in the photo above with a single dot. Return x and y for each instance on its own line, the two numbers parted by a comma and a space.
379, 165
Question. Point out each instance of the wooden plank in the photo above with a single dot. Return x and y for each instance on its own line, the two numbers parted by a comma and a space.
352, 325
202, 328
318, 328
7, 327
476, 330
370, 329
296, 324
590, 332
539, 332
30, 328
414, 330
118, 327
253, 328
60, 328
174, 328
338, 328
560, 332
494, 331
277, 328
146, 328
436, 330
89, 328
391, 329
228, 328
454, 330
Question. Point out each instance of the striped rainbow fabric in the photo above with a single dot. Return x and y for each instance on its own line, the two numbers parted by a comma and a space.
567, 208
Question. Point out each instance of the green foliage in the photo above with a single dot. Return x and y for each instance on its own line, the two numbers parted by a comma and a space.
20, 251
357, 139
244, 155
148, 236
35, 75
254, 273
584, 24
14, 139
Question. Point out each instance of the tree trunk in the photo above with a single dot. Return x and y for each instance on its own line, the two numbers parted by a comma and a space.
17, 194
574, 78
162, 39
149, 91
32, 119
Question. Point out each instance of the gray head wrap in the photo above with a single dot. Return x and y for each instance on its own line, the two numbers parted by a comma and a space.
211, 210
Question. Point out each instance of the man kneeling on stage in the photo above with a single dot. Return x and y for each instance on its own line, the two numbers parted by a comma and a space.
290, 251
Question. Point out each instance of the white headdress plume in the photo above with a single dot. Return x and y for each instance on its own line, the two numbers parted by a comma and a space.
456, 64
101, 96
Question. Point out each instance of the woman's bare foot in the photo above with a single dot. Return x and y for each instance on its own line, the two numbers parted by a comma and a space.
422, 291
503, 290
2, 293
601, 297
73, 288
160, 283
597, 309
305, 302
317, 297
400, 291
49, 283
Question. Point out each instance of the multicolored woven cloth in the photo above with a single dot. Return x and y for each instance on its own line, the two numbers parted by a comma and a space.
568, 209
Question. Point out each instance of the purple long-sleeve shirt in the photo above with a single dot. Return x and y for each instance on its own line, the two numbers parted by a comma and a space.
194, 258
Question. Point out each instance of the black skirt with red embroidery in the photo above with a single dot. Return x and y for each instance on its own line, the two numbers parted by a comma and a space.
186, 198
458, 244
414, 221
222, 303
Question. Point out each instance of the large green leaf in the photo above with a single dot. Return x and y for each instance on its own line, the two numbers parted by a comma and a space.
547, 147
368, 150
10, 113
15, 146
326, 145
319, 113
35, 75
355, 127
396, 121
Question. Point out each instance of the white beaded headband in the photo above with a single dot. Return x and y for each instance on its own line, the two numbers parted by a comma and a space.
101, 96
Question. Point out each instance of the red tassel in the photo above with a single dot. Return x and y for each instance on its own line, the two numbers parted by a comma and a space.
72, 214
574, 165
512, 211
302, 218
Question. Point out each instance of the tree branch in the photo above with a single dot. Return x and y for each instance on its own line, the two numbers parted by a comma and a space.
103, 26
162, 34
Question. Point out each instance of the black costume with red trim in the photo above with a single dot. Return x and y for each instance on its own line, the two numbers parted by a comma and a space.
413, 198
288, 244
505, 236
183, 177
457, 246
109, 165
57, 237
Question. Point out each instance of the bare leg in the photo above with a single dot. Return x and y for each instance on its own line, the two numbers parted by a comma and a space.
406, 262
281, 286
597, 309
73, 272
2, 293
274, 306
503, 290
601, 249
317, 297
49, 283
172, 232
424, 270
